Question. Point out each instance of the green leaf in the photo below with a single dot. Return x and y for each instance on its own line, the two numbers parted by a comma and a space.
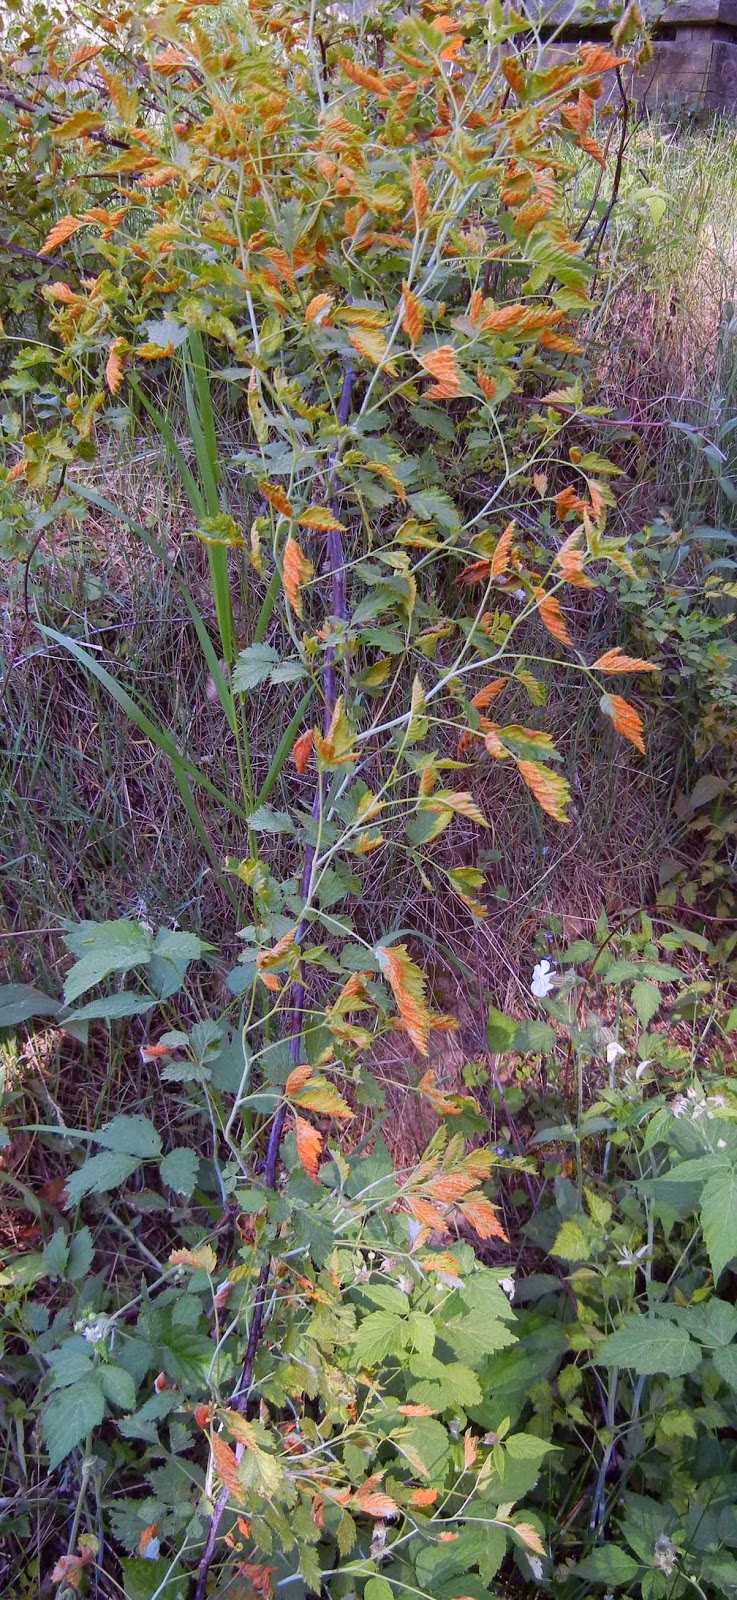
608, 1564
254, 666
532, 1035
80, 1254
264, 820
725, 1361
111, 1007
719, 1219
380, 1334
434, 505
98, 1175
572, 1242
714, 1323
104, 947
19, 1002
500, 1031
69, 1416
649, 1345
179, 1170
425, 1444
71, 1362
378, 1589
130, 1135
646, 1001
187, 1356
143, 1579
118, 1387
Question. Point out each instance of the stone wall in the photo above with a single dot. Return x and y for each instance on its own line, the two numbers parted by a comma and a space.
694, 63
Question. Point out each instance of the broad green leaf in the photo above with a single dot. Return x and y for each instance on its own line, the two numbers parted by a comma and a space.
646, 1000
378, 1589
264, 820
105, 947
425, 1445
380, 1334
100, 1174
81, 1253
19, 1002
608, 1564
500, 1031
572, 1241
434, 505
111, 1008
719, 1219
713, 1323
725, 1361
533, 1035
648, 1345
179, 1170
118, 1387
130, 1135
69, 1416
71, 1362
254, 666
143, 1579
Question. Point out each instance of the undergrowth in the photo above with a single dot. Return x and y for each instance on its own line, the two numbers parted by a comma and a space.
318, 389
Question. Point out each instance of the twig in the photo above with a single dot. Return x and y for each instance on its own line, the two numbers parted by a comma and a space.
240, 1395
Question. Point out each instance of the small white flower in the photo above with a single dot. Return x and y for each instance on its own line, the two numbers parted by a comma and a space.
631, 1258
613, 1051
678, 1105
717, 1100
643, 1067
691, 1093
151, 1550
536, 1567
507, 1284
721, 1144
698, 1111
543, 979
92, 1328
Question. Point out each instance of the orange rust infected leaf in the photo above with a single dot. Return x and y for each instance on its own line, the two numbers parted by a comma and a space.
61, 231
302, 750
626, 719
276, 497
552, 617
297, 1077
500, 558
616, 661
296, 570
309, 1146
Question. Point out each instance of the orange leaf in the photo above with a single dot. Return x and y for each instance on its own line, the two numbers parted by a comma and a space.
296, 570
274, 954
481, 1214
487, 385
470, 1449
226, 1465
276, 497
450, 1186
615, 661
147, 1534
419, 191
309, 1146
315, 308
494, 744
374, 1503
297, 1077
475, 572
413, 314
362, 76
202, 1415
114, 365
302, 749
550, 790
415, 1411
530, 1537
441, 1261
483, 697
68, 1570
449, 1537
407, 984
154, 1052
500, 558
259, 1577
423, 1497
626, 719
61, 231
552, 616
321, 518
503, 319
441, 365
428, 1214
170, 60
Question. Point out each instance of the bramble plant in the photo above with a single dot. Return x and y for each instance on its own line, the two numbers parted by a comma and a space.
349, 236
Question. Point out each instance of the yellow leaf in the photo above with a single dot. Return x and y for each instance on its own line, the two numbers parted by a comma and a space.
318, 308
550, 790
296, 570
320, 1095
78, 125
202, 1259
441, 365
419, 191
458, 800
371, 344
309, 1146
407, 984
336, 747
530, 1537
321, 518
626, 719
114, 365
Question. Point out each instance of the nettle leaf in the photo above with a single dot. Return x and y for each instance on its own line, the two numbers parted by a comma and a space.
434, 505
608, 1564
118, 1387
254, 666
649, 1345
714, 1323
100, 1174
131, 1135
378, 1335
264, 820
19, 1002
646, 1000
71, 1362
69, 1416
179, 1170
102, 948
719, 1219
500, 1031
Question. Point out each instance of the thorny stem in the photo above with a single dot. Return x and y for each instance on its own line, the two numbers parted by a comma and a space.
239, 1399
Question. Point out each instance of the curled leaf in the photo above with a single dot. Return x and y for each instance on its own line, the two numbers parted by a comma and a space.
626, 719
550, 790
309, 1146
500, 558
61, 231
296, 571
407, 984
616, 661
302, 750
